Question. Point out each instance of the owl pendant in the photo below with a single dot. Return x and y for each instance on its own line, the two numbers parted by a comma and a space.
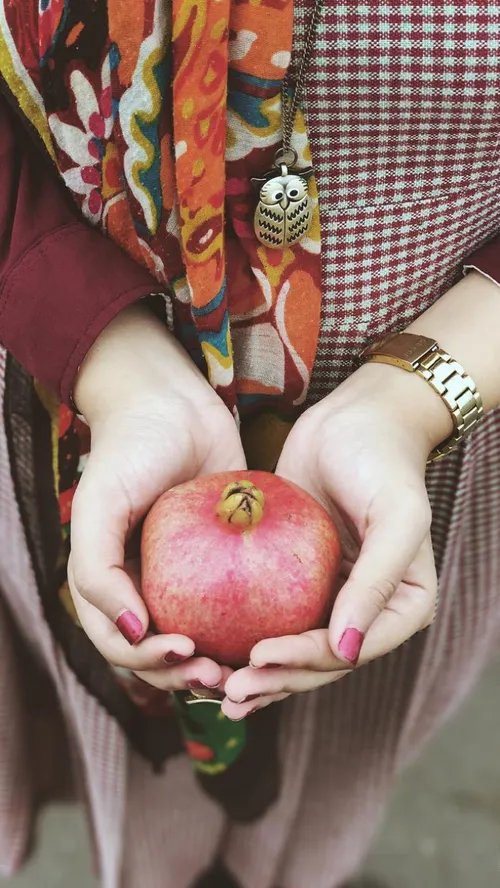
284, 211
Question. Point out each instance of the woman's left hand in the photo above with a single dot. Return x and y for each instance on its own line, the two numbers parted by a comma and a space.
362, 453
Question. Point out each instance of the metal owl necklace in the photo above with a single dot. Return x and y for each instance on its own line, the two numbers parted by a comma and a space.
284, 210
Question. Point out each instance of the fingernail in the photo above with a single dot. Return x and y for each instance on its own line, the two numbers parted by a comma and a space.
267, 666
197, 685
242, 717
172, 657
130, 627
244, 699
350, 644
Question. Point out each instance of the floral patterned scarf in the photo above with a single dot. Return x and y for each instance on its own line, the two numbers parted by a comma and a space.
157, 116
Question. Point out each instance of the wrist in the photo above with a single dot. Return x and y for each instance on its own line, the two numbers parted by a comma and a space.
465, 323
134, 359
404, 400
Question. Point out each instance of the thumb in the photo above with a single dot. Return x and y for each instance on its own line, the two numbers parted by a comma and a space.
100, 524
390, 546
226, 453
99, 528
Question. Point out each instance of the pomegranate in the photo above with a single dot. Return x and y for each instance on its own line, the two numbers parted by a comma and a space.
229, 560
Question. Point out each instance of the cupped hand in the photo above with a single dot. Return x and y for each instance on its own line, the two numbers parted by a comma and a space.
155, 422
362, 453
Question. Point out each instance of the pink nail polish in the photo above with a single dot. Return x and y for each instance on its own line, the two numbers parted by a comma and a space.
172, 657
350, 644
130, 627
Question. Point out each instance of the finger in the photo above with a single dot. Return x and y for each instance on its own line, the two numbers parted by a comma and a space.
412, 609
197, 674
236, 712
99, 527
229, 456
311, 650
226, 673
391, 544
250, 684
153, 652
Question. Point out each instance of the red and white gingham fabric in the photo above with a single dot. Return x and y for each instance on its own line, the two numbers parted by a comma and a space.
404, 110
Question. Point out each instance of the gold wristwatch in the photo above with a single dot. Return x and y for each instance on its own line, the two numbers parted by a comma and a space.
419, 354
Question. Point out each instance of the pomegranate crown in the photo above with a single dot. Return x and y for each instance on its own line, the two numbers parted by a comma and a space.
241, 504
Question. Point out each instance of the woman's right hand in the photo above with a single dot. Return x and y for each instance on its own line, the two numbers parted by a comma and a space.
155, 422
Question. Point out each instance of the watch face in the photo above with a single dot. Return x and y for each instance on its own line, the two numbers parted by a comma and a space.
412, 348
407, 347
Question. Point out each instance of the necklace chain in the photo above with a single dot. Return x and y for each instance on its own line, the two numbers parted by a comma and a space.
290, 104
284, 211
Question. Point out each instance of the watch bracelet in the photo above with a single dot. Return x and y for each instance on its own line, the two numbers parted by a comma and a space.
422, 355
458, 391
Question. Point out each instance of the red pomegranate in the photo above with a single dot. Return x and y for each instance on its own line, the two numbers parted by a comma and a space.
229, 560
